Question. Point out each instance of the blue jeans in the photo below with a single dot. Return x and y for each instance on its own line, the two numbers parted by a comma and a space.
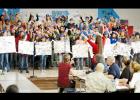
5, 61
24, 62
79, 63
43, 61
0, 61
13, 59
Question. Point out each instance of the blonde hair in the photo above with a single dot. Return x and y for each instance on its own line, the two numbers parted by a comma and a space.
135, 66
66, 58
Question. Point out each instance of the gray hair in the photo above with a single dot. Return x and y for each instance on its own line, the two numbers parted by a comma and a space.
112, 58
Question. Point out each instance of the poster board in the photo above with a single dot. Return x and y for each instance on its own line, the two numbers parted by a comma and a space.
7, 44
43, 48
62, 46
26, 47
80, 51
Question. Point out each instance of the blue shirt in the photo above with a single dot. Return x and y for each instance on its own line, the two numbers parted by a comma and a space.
114, 70
113, 40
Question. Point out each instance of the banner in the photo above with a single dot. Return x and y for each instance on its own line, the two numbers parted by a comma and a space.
26, 47
7, 44
43, 48
80, 51
62, 46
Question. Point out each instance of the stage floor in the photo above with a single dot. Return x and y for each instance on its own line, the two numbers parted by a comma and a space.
47, 73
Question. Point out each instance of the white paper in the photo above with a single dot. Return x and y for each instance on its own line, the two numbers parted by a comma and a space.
62, 46
136, 46
26, 47
7, 44
43, 48
80, 51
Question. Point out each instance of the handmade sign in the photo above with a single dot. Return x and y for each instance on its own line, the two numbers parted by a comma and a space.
43, 48
136, 46
121, 49
80, 51
62, 46
26, 47
7, 44
108, 50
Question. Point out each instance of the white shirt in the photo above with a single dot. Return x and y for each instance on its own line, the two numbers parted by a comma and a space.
135, 78
97, 82
137, 87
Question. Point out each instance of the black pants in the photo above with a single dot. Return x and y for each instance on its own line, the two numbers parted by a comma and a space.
61, 90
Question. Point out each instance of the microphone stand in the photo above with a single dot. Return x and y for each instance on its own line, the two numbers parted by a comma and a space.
33, 76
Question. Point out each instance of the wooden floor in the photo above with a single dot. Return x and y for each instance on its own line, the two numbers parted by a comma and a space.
48, 83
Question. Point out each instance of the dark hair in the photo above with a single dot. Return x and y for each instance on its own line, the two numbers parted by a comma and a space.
119, 60
0, 17
37, 17
138, 58
137, 33
115, 34
12, 89
30, 17
127, 63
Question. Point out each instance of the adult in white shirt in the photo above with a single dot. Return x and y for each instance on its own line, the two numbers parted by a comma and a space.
97, 82
135, 68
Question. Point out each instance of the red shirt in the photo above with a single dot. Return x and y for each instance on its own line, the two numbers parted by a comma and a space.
19, 38
63, 74
95, 48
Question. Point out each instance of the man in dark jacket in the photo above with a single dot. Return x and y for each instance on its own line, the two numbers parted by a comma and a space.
113, 67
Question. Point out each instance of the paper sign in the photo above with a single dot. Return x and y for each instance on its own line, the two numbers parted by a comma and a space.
43, 48
136, 46
7, 44
62, 46
80, 51
26, 47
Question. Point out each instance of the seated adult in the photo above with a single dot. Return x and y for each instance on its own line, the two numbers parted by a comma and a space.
113, 67
97, 82
64, 70
126, 73
12, 89
135, 69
